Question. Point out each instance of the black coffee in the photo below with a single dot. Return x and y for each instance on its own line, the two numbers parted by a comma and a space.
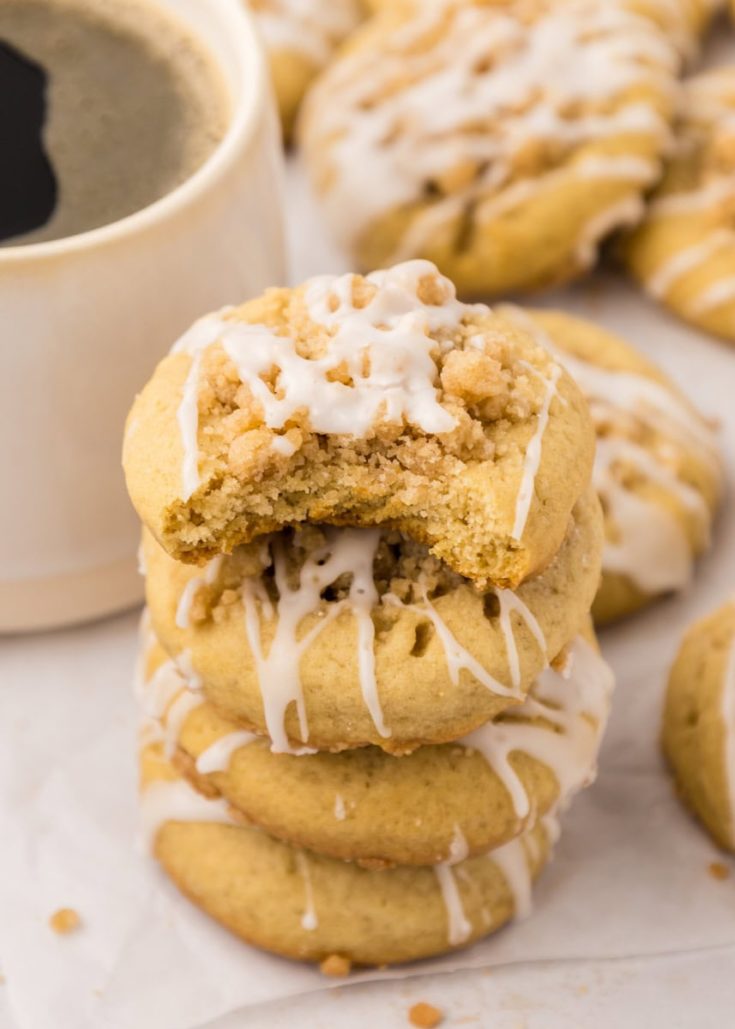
107, 105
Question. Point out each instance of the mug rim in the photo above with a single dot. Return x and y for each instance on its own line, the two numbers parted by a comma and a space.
247, 106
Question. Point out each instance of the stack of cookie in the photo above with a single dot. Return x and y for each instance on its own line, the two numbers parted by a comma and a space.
368, 677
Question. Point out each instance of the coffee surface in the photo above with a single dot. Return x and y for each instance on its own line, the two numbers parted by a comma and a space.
114, 105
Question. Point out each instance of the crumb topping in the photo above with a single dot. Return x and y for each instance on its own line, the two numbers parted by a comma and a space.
392, 358
336, 965
719, 871
425, 1016
64, 921
402, 568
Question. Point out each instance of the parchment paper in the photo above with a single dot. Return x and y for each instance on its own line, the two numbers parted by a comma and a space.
630, 876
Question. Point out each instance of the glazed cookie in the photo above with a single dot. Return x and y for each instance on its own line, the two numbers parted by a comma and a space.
341, 637
684, 252
300, 37
308, 907
699, 723
367, 806
657, 470
502, 141
363, 401
684, 21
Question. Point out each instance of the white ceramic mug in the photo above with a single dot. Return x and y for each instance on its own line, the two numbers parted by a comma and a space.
85, 319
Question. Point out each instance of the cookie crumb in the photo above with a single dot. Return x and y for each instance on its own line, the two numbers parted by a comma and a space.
64, 921
719, 871
425, 1016
336, 966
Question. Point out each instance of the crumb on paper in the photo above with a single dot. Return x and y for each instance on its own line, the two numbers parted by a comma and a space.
336, 966
64, 921
425, 1016
719, 871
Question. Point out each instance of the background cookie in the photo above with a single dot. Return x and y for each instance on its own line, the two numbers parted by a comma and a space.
699, 722
370, 807
658, 469
309, 907
468, 133
300, 37
684, 252
362, 401
363, 640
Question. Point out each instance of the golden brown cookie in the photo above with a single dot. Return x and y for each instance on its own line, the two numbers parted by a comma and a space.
699, 723
658, 468
362, 401
683, 254
503, 141
367, 806
335, 638
303, 906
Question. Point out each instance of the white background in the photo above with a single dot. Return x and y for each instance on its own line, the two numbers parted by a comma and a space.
628, 927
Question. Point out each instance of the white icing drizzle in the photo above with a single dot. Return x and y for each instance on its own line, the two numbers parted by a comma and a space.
707, 120
623, 166
311, 28
165, 702
551, 826
652, 547
176, 716
350, 551
384, 348
690, 259
309, 919
146, 639
717, 295
162, 688
532, 456
576, 704
340, 812
183, 610
727, 708
187, 416
149, 732
458, 925
387, 122
458, 658
715, 192
510, 602
202, 334
627, 211
177, 801
185, 665
513, 862
217, 756
140, 557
